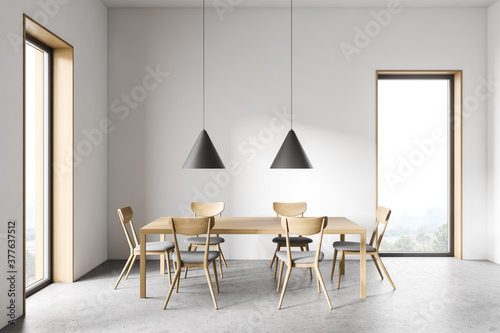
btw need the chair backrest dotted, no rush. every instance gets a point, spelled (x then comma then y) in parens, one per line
(289, 209)
(126, 215)
(304, 226)
(382, 218)
(207, 209)
(191, 226)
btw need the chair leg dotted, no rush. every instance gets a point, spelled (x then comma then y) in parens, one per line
(222, 255)
(215, 275)
(287, 277)
(130, 267)
(123, 270)
(385, 271)
(168, 268)
(310, 269)
(176, 279)
(320, 278)
(207, 273)
(274, 257)
(340, 264)
(333, 264)
(317, 282)
(278, 247)
(376, 265)
(220, 266)
(186, 269)
(281, 274)
(220, 262)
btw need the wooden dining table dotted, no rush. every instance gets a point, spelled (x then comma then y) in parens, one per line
(257, 226)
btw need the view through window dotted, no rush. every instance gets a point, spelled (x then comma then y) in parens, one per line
(37, 169)
(414, 170)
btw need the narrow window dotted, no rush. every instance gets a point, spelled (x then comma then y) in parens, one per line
(38, 147)
(415, 162)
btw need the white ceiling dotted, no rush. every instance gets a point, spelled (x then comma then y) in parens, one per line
(298, 3)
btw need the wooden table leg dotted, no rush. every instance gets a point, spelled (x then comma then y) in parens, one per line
(143, 264)
(362, 266)
(342, 257)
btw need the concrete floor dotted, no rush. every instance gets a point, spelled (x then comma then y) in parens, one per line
(433, 295)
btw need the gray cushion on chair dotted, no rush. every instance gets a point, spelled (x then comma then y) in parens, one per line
(300, 257)
(352, 247)
(203, 240)
(157, 246)
(293, 240)
(195, 257)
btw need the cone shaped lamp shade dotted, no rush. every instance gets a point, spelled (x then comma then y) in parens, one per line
(203, 155)
(291, 154)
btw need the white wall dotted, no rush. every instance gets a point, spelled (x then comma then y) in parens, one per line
(81, 23)
(247, 78)
(493, 135)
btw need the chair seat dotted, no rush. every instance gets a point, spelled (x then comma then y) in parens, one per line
(352, 247)
(156, 246)
(300, 257)
(293, 240)
(203, 240)
(195, 257)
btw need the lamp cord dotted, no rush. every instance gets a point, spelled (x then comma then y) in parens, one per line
(203, 65)
(291, 64)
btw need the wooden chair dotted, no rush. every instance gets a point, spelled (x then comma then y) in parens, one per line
(193, 226)
(154, 248)
(311, 259)
(207, 209)
(343, 248)
(290, 209)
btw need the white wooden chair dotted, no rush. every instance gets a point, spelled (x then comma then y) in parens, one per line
(193, 226)
(343, 248)
(290, 209)
(311, 259)
(207, 209)
(163, 248)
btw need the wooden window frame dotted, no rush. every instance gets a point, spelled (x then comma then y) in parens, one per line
(62, 151)
(456, 128)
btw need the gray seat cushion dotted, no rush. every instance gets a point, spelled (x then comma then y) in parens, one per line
(203, 240)
(300, 257)
(157, 246)
(293, 240)
(352, 247)
(195, 257)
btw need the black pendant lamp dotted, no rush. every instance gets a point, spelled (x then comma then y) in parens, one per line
(291, 154)
(203, 155)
